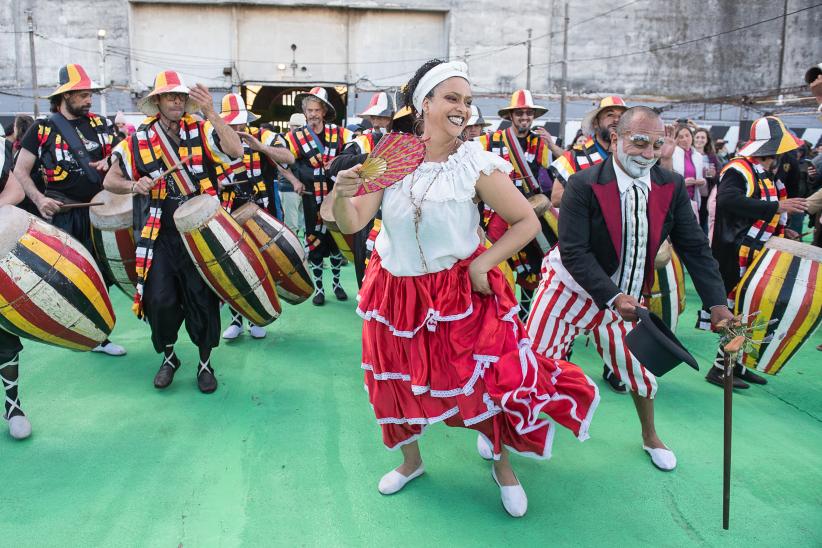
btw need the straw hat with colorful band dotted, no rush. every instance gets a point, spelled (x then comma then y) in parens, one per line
(233, 110)
(521, 99)
(167, 81)
(476, 118)
(612, 101)
(321, 94)
(74, 78)
(769, 137)
(380, 105)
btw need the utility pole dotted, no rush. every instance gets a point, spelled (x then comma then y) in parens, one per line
(30, 20)
(528, 67)
(782, 52)
(101, 37)
(564, 88)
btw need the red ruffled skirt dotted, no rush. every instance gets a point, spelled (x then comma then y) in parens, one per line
(435, 351)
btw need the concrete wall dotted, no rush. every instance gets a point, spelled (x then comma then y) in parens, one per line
(481, 31)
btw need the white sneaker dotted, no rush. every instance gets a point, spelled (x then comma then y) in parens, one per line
(110, 348)
(256, 332)
(19, 427)
(232, 332)
(663, 458)
(483, 448)
(514, 499)
(393, 481)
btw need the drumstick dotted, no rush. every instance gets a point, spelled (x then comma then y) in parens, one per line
(173, 169)
(76, 206)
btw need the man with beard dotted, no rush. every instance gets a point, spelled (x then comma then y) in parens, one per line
(72, 147)
(315, 146)
(251, 178)
(528, 150)
(379, 114)
(597, 126)
(174, 292)
(614, 217)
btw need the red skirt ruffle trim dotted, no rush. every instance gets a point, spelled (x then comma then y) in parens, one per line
(435, 351)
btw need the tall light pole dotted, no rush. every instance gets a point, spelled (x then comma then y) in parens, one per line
(101, 37)
(30, 20)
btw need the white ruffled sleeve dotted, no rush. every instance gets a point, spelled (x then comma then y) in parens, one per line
(458, 176)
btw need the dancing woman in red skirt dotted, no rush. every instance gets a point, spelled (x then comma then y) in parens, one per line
(441, 338)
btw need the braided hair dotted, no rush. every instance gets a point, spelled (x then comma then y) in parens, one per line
(411, 86)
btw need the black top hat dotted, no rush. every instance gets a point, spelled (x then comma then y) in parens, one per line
(655, 346)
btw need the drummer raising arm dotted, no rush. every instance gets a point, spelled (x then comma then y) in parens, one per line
(175, 292)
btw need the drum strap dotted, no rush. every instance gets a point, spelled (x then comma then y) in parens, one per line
(517, 155)
(10, 385)
(168, 154)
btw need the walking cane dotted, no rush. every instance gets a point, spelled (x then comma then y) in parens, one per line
(730, 351)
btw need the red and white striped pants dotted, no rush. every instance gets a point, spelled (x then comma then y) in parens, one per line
(559, 314)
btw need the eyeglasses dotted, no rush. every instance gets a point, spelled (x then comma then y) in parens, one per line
(641, 140)
(176, 96)
(523, 112)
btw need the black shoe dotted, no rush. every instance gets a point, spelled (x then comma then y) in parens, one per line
(318, 300)
(742, 372)
(340, 293)
(615, 384)
(165, 375)
(714, 376)
(206, 380)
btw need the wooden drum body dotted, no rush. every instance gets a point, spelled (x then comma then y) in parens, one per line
(50, 288)
(281, 250)
(113, 237)
(227, 259)
(783, 283)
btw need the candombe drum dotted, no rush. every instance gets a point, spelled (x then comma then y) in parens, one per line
(227, 259)
(666, 297)
(50, 288)
(784, 283)
(112, 235)
(345, 242)
(281, 250)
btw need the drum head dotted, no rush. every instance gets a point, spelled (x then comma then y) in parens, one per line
(804, 251)
(196, 212)
(663, 256)
(539, 203)
(114, 214)
(246, 211)
(15, 223)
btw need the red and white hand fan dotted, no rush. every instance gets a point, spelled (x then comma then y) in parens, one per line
(394, 157)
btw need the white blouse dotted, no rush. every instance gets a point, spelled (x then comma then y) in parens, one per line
(449, 219)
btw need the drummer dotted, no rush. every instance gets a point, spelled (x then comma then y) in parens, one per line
(72, 147)
(751, 207)
(11, 193)
(379, 114)
(174, 292)
(253, 177)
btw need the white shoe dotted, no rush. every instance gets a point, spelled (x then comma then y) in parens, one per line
(232, 332)
(110, 348)
(393, 481)
(19, 427)
(483, 448)
(256, 332)
(514, 499)
(663, 458)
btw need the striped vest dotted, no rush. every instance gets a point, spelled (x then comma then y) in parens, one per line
(576, 159)
(56, 160)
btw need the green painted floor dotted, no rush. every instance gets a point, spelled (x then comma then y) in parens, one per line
(287, 453)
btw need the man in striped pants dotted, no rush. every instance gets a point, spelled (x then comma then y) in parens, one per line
(614, 217)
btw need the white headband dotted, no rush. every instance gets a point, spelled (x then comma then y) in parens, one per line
(437, 75)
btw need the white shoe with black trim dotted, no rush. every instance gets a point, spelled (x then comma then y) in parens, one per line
(232, 332)
(110, 348)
